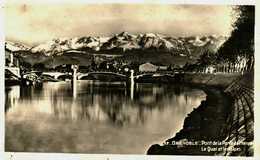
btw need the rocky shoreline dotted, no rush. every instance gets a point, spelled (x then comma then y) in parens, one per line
(219, 123)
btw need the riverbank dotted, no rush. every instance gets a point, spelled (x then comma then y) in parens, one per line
(224, 118)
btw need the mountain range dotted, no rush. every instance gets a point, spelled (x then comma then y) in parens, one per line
(125, 44)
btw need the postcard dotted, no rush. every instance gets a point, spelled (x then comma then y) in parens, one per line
(140, 79)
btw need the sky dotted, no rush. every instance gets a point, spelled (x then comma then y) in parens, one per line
(36, 23)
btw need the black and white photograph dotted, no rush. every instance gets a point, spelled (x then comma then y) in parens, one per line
(129, 78)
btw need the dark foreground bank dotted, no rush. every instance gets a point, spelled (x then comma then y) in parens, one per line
(221, 125)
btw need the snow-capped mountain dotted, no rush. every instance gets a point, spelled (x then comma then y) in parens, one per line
(125, 41)
(13, 46)
(198, 44)
(58, 45)
(184, 46)
(130, 48)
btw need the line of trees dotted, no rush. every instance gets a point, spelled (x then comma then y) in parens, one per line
(237, 53)
(241, 42)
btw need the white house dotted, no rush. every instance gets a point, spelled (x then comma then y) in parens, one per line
(148, 67)
(210, 69)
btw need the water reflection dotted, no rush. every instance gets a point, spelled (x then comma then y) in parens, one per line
(104, 118)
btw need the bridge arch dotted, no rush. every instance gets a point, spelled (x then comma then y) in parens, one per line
(82, 76)
(64, 77)
(97, 75)
(55, 75)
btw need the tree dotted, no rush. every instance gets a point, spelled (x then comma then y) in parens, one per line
(241, 41)
(24, 66)
(39, 66)
(207, 58)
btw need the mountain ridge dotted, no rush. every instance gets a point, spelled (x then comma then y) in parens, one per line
(146, 47)
(126, 41)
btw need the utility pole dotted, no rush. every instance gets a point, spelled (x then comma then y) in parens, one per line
(132, 84)
(74, 79)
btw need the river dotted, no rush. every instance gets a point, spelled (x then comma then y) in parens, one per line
(102, 117)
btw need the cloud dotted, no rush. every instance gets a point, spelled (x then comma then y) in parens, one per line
(34, 23)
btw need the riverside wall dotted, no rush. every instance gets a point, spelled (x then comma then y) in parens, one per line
(222, 125)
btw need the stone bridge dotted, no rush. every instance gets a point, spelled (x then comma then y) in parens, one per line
(81, 76)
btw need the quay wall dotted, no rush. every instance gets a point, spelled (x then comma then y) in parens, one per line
(227, 115)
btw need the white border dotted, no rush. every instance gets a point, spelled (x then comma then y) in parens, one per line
(59, 156)
(226, 2)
